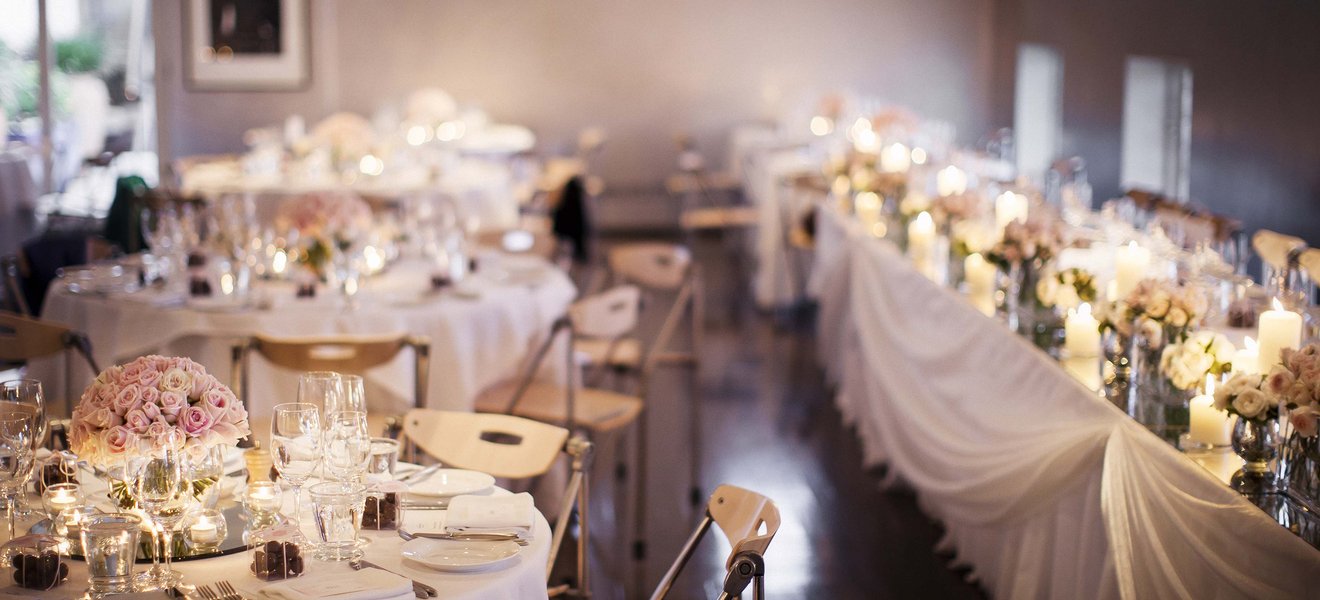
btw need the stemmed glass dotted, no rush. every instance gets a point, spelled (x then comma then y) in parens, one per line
(295, 446)
(323, 390)
(17, 429)
(26, 396)
(165, 494)
(347, 446)
(354, 394)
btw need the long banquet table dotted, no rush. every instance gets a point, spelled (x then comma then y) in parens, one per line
(477, 338)
(1046, 490)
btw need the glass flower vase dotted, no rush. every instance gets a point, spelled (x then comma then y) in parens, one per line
(1154, 400)
(1257, 443)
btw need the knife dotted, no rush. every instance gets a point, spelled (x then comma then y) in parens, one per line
(430, 591)
(422, 474)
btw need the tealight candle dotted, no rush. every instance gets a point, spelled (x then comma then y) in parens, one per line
(1247, 359)
(59, 497)
(1130, 265)
(1277, 329)
(1081, 332)
(950, 181)
(980, 276)
(208, 528)
(1209, 426)
(1009, 207)
(895, 158)
(263, 496)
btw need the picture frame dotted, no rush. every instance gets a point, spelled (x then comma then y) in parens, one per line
(247, 45)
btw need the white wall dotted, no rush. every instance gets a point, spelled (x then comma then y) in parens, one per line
(643, 70)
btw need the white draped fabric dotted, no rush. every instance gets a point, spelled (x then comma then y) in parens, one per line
(475, 341)
(1047, 491)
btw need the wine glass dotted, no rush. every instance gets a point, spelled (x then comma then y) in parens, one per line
(347, 446)
(26, 396)
(16, 458)
(164, 493)
(354, 397)
(295, 446)
(322, 389)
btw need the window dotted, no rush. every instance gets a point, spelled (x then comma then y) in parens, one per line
(1157, 126)
(1037, 109)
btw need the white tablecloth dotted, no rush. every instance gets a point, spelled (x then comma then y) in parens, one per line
(1047, 491)
(17, 189)
(521, 579)
(766, 167)
(475, 342)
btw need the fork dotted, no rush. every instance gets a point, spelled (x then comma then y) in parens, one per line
(421, 590)
(205, 592)
(228, 591)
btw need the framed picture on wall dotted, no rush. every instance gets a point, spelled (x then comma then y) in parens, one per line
(246, 45)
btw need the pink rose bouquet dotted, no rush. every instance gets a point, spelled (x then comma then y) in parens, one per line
(1296, 383)
(137, 402)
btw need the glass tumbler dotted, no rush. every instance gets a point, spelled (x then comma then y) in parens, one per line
(338, 510)
(110, 544)
(384, 456)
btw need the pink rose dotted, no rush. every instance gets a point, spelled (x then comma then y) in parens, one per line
(150, 396)
(133, 371)
(160, 363)
(128, 398)
(157, 429)
(106, 395)
(171, 404)
(103, 418)
(196, 421)
(149, 378)
(117, 439)
(137, 421)
(217, 402)
(1305, 421)
(176, 380)
(1278, 381)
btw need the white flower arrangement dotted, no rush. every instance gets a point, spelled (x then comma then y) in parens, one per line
(1243, 396)
(1187, 363)
(1158, 305)
(1066, 289)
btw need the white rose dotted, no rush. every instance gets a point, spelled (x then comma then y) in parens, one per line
(176, 380)
(1047, 290)
(1067, 297)
(1250, 403)
(1177, 317)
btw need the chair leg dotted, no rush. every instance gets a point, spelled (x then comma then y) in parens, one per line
(694, 392)
(690, 546)
(639, 499)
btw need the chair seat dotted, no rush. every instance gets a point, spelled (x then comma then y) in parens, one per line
(627, 352)
(596, 409)
(719, 217)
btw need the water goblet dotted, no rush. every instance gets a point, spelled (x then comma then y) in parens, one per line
(347, 446)
(338, 511)
(164, 493)
(295, 443)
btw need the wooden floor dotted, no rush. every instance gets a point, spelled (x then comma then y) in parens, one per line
(770, 426)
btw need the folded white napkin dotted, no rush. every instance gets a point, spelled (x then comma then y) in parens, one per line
(367, 584)
(491, 514)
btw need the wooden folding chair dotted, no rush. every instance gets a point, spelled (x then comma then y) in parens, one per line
(605, 324)
(342, 354)
(11, 269)
(749, 521)
(513, 448)
(25, 338)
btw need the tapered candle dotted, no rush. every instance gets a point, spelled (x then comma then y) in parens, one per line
(1277, 329)
(1081, 332)
(1130, 265)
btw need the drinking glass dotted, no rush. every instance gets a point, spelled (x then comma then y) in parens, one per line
(354, 396)
(16, 458)
(26, 396)
(323, 390)
(347, 446)
(164, 493)
(110, 546)
(384, 455)
(295, 445)
(338, 510)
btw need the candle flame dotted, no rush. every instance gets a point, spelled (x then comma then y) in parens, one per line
(279, 262)
(226, 284)
(1132, 245)
(1275, 303)
(1210, 385)
(1250, 344)
(924, 218)
(1084, 309)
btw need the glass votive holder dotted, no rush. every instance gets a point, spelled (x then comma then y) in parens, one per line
(207, 529)
(59, 497)
(110, 544)
(277, 552)
(61, 467)
(263, 500)
(38, 561)
(338, 510)
(69, 523)
(382, 458)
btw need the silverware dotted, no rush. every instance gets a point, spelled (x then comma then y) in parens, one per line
(228, 592)
(421, 590)
(466, 537)
(417, 505)
(420, 475)
(205, 592)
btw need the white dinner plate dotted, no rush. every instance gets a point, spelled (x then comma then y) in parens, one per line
(452, 482)
(217, 303)
(460, 555)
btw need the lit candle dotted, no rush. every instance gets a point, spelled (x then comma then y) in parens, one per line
(1247, 359)
(895, 158)
(821, 126)
(279, 262)
(1081, 332)
(263, 496)
(1210, 426)
(921, 243)
(950, 181)
(1010, 207)
(866, 141)
(204, 531)
(867, 207)
(1277, 329)
(374, 258)
(1130, 265)
(980, 276)
(841, 186)
(58, 497)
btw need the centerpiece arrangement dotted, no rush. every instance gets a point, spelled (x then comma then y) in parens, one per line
(327, 224)
(1022, 254)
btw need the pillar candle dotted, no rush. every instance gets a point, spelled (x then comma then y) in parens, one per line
(980, 275)
(950, 181)
(1010, 207)
(895, 158)
(1081, 332)
(1130, 265)
(921, 244)
(1277, 329)
(867, 207)
(1247, 358)
(1210, 426)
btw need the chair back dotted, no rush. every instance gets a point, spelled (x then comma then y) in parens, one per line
(12, 271)
(25, 338)
(1310, 261)
(343, 354)
(652, 265)
(1275, 248)
(609, 314)
(741, 513)
(501, 445)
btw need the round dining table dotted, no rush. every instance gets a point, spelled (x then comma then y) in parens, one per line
(479, 331)
(522, 577)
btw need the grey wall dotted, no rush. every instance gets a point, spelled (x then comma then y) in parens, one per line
(643, 70)
(1255, 93)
